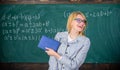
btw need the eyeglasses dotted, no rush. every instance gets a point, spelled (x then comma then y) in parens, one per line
(80, 20)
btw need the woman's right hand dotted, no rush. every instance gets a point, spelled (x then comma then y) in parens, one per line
(51, 52)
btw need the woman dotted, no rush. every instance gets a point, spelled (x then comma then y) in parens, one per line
(74, 45)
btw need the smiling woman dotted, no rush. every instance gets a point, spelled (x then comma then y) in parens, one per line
(74, 45)
(103, 30)
(80, 22)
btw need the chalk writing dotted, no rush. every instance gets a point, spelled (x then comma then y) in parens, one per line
(13, 29)
(21, 37)
(100, 13)
(20, 17)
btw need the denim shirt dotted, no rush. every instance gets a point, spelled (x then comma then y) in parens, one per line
(73, 53)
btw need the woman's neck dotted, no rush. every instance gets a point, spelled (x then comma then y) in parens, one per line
(73, 34)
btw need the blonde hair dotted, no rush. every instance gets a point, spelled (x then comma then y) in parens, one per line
(71, 17)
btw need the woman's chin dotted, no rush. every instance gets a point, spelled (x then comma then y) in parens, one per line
(79, 29)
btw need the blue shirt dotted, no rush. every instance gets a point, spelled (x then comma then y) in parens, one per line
(73, 53)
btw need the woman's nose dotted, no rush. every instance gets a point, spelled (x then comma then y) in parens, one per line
(82, 23)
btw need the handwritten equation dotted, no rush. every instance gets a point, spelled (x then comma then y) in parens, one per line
(100, 13)
(25, 27)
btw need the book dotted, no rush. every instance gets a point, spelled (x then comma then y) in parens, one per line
(49, 43)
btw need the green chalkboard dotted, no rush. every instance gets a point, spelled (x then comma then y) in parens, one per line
(22, 25)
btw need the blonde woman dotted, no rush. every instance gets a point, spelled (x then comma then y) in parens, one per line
(74, 45)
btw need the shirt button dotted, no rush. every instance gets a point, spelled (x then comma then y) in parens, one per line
(63, 67)
(66, 52)
(68, 45)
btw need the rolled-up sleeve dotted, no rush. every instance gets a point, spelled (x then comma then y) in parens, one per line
(79, 59)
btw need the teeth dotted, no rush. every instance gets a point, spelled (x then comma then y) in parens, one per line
(80, 26)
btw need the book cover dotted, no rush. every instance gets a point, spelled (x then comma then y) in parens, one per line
(48, 42)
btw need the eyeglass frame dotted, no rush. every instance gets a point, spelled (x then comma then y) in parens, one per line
(80, 20)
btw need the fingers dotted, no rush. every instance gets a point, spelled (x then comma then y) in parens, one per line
(46, 52)
(50, 51)
(47, 49)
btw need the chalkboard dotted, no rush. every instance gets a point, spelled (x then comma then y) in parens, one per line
(22, 25)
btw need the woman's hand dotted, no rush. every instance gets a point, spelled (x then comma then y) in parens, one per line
(51, 52)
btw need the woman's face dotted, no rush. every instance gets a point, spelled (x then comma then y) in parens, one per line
(78, 23)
